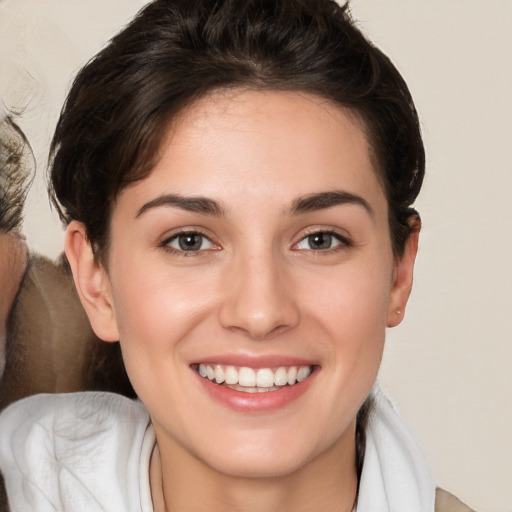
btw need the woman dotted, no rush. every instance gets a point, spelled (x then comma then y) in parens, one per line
(237, 180)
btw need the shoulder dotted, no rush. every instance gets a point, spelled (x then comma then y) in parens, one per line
(74, 450)
(71, 412)
(446, 502)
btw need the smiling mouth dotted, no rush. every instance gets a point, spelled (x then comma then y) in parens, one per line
(254, 380)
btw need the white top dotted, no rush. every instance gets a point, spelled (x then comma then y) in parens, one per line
(79, 452)
(90, 452)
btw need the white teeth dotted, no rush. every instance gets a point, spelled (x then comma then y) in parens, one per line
(303, 373)
(251, 380)
(247, 377)
(281, 377)
(292, 375)
(210, 373)
(219, 374)
(265, 378)
(231, 375)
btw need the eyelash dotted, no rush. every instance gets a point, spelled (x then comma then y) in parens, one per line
(183, 252)
(343, 242)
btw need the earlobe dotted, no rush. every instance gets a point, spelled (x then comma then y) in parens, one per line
(92, 282)
(403, 276)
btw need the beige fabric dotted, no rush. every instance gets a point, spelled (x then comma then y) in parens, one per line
(54, 349)
(446, 502)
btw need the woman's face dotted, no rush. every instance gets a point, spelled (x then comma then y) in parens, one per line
(257, 249)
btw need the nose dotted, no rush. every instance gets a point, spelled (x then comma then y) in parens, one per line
(259, 301)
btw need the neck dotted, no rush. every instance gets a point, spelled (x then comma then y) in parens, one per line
(328, 483)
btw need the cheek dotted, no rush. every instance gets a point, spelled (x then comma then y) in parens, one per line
(351, 309)
(353, 299)
(156, 308)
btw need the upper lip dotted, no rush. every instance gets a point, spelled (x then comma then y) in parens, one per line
(255, 361)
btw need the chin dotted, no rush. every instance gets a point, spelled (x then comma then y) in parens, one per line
(260, 455)
(262, 465)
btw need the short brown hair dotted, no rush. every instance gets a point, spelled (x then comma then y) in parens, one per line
(176, 51)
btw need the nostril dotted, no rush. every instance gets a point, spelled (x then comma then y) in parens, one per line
(258, 331)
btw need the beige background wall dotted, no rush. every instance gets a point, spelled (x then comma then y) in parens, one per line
(449, 366)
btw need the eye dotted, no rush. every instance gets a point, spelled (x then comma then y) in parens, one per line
(189, 242)
(322, 241)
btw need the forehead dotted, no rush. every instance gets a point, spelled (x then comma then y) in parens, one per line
(263, 145)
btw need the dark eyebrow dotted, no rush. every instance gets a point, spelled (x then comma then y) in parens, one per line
(201, 205)
(323, 200)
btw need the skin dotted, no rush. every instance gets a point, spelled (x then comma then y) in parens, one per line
(13, 261)
(256, 288)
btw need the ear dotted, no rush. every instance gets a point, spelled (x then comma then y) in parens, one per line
(92, 282)
(403, 276)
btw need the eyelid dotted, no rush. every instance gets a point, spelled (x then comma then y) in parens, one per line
(165, 243)
(344, 240)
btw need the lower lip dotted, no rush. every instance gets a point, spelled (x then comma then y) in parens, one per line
(256, 402)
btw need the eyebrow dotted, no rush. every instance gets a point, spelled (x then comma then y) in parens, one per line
(201, 205)
(324, 200)
(304, 204)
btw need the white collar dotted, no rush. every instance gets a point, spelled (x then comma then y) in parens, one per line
(395, 476)
(91, 451)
